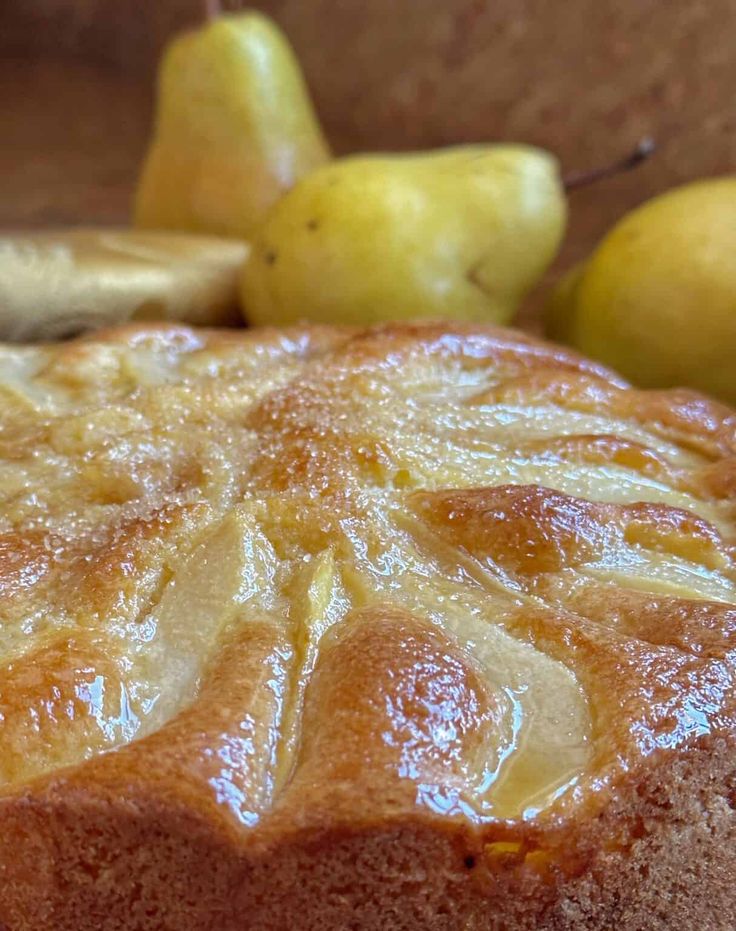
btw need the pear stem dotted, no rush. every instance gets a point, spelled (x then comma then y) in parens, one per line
(641, 153)
(212, 9)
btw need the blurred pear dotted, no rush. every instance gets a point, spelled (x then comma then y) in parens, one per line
(657, 298)
(235, 128)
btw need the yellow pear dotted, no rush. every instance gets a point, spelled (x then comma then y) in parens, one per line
(657, 298)
(235, 128)
(458, 233)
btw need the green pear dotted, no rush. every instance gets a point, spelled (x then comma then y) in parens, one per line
(235, 128)
(459, 233)
(657, 298)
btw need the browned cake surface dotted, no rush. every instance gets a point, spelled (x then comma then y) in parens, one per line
(410, 628)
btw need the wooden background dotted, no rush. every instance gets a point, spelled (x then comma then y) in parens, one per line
(584, 78)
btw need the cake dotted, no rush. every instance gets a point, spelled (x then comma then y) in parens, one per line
(55, 284)
(417, 627)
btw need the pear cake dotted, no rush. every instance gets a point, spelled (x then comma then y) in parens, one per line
(415, 627)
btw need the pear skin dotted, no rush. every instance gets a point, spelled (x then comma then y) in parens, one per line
(657, 298)
(459, 233)
(235, 128)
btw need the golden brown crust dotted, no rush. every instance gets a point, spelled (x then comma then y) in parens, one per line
(416, 627)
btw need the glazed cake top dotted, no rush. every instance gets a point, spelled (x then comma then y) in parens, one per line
(458, 569)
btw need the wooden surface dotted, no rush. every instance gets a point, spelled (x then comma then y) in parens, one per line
(74, 137)
(584, 79)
